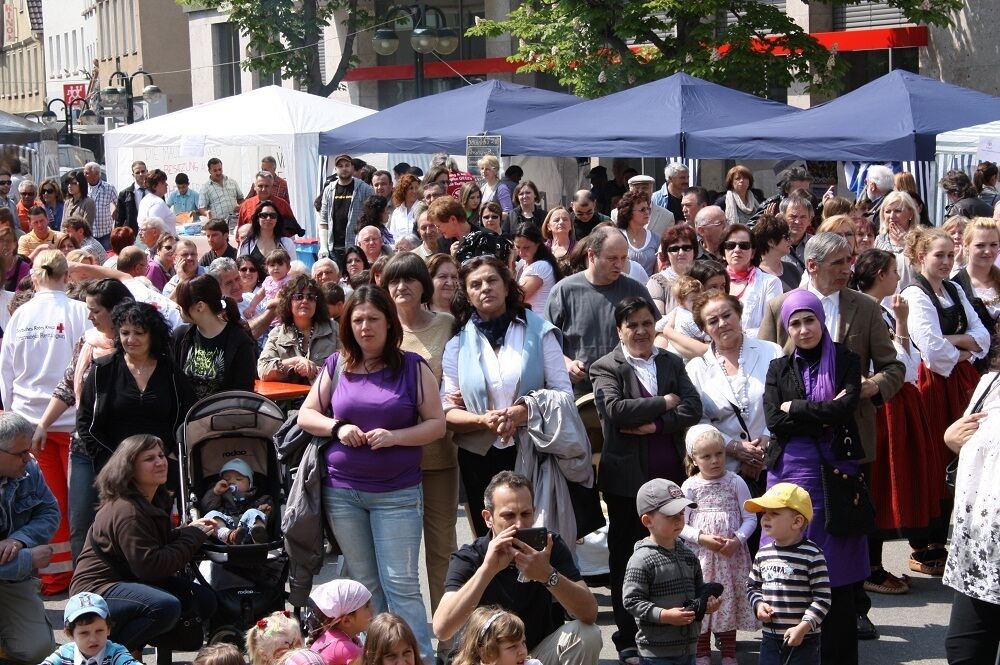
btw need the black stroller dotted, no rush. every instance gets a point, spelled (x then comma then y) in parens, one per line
(248, 580)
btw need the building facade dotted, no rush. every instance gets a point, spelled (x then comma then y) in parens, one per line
(22, 62)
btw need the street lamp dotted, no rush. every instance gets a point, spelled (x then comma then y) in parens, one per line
(423, 39)
(120, 90)
(87, 116)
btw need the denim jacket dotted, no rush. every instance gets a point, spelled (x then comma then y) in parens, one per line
(28, 513)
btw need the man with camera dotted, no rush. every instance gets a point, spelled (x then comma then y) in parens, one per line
(539, 584)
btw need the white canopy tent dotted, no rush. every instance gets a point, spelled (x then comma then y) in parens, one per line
(238, 130)
(958, 149)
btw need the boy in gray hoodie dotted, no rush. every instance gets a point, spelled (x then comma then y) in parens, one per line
(661, 576)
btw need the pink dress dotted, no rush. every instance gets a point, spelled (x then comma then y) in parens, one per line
(720, 512)
(337, 647)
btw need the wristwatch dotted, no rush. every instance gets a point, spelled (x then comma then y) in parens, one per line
(553, 579)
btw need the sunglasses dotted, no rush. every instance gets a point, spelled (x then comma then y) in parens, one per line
(268, 215)
(311, 297)
(491, 216)
(27, 193)
(676, 249)
(48, 191)
(4, 182)
(731, 245)
(248, 269)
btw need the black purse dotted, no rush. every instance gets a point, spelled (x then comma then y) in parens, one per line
(848, 504)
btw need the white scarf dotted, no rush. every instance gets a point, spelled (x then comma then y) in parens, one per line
(738, 212)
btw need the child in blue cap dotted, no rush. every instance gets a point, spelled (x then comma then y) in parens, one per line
(86, 621)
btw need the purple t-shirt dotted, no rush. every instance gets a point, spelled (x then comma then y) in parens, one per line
(369, 401)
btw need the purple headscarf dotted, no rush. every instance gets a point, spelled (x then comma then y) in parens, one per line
(796, 301)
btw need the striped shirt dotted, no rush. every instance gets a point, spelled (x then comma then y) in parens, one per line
(104, 196)
(793, 580)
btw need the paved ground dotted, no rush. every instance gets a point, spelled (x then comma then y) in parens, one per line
(912, 626)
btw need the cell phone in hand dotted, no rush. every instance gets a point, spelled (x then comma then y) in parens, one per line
(535, 538)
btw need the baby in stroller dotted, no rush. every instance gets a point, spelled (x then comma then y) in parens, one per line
(235, 505)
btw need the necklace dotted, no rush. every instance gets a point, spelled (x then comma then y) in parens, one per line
(738, 383)
(301, 342)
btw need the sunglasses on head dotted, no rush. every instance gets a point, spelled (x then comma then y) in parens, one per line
(731, 245)
(675, 249)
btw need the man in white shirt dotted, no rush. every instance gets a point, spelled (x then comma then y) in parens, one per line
(153, 204)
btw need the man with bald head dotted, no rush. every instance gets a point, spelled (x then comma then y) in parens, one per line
(585, 213)
(370, 242)
(710, 223)
(582, 306)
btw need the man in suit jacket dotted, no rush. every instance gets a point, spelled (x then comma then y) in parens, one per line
(127, 206)
(625, 454)
(855, 320)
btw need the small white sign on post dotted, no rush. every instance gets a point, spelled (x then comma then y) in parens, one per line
(477, 147)
(988, 149)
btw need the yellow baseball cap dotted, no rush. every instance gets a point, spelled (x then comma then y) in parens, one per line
(783, 495)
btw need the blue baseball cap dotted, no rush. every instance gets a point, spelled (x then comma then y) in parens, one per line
(84, 603)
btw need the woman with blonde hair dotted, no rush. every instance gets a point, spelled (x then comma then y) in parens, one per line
(980, 278)
(493, 188)
(843, 226)
(557, 229)
(950, 337)
(899, 214)
(37, 348)
(490, 632)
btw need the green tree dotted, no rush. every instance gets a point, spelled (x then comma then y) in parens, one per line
(601, 46)
(284, 36)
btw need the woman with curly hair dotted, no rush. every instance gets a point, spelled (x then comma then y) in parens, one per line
(297, 347)
(135, 390)
(405, 195)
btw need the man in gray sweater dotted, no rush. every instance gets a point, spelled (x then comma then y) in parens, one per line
(582, 306)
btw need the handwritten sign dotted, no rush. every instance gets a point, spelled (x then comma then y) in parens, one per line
(477, 147)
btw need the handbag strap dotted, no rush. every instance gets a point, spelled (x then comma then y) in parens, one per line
(978, 406)
(743, 423)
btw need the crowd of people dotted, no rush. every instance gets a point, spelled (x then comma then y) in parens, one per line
(780, 385)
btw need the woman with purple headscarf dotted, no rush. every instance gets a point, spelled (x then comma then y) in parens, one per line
(811, 394)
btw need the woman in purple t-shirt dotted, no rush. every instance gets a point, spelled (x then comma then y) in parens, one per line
(385, 407)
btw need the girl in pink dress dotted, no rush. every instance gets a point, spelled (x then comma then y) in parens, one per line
(719, 528)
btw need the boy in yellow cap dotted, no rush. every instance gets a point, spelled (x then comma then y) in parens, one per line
(789, 587)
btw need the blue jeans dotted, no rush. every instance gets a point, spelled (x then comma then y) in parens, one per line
(379, 534)
(774, 651)
(141, 612)
(82, 500)
(668, 660)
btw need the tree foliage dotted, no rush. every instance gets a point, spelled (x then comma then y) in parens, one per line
(601, 46)
(284, 35)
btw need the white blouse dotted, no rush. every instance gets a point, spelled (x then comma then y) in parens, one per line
(401, 222)
(938, 354)
(502, 369)
(543, 271)
(761, 291)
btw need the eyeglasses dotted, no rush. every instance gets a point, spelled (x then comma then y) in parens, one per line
(248, 269)
(311, 297)
(731, 245)
(491, 216)
(268, 215)
(676, 249)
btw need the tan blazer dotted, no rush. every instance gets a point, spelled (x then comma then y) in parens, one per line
(863, 331)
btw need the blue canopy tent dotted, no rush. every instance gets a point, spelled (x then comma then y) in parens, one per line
(650, 120)
(441, 122)
(895, 117)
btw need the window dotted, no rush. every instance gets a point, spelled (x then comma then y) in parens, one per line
(226, 48)
(116, 27)
(134, 28)
(75, 64)
(866, 66)
(58, 61)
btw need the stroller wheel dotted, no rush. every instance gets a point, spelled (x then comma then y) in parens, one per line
(226, 635)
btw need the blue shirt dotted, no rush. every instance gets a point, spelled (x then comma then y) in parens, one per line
(183, 202)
